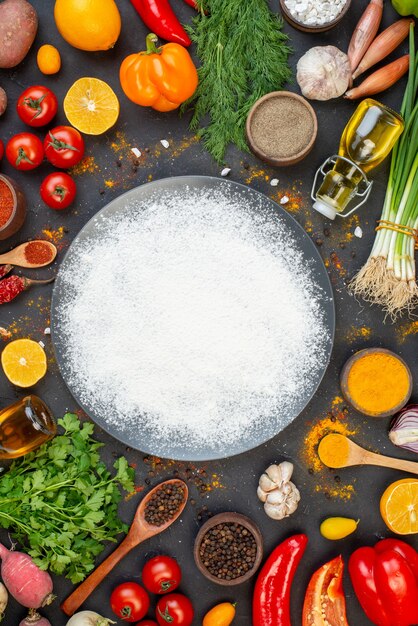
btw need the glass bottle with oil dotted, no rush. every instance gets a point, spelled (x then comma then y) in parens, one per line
(368, 138)
(24, 426)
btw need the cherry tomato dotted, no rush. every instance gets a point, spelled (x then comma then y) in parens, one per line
(174, 609)
(24, 151)
(1, 149)
(37, 106)
(129, 601)
(161, 574)
(64, 146)
(58, 190)
(147, 622)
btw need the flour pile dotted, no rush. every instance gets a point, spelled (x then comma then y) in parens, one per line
(192, 317)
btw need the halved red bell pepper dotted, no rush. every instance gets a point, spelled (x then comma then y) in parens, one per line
(385, 581)
(324, 599)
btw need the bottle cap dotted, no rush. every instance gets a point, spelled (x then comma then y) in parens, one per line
(325, 209)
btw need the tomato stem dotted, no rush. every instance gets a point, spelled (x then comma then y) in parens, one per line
(166, 615)
(35, 103)
(22, 156)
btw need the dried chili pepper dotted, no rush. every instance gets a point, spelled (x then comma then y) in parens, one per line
(5, 269)
(161, 19)
(14, 285)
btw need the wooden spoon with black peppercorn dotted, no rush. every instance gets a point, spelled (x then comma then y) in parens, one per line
(156, 512)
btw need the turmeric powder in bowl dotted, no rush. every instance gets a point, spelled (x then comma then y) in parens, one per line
(376, 382)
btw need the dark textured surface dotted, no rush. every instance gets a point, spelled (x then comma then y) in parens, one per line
(342, 254)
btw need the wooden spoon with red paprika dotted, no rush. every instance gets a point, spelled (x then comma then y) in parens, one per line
(31, 254)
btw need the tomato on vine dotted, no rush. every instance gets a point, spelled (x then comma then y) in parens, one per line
(24, 151)
(129, 601)
(64, 146)
(37, 106)
(58, 190)
(161, 574)
(174, 609)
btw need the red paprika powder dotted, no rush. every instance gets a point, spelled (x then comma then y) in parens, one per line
(6, 203)
(38, 252)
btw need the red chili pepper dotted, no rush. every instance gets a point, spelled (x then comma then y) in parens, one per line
(161, 20)
(5, 269)
(14, 285)
(271, 600)
(385, 582)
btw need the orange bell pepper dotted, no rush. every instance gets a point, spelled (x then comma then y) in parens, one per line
(161, 78)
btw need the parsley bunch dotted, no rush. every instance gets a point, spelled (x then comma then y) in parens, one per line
(62, 502)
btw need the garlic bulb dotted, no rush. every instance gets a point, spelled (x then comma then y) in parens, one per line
(323, 73)
(280, 496)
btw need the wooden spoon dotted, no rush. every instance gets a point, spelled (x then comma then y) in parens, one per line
(139, 531)
(359, 456)
(17, 255)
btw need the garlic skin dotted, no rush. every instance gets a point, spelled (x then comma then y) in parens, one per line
(275, 489)
(323, 72)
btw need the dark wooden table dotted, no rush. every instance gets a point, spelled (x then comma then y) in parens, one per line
(229, 484)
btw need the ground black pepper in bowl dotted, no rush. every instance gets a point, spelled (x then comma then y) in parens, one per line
(228, 548)
(281, 128)
(164, 504)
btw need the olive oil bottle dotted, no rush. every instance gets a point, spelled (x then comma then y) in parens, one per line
(368, 138)
(24, 426)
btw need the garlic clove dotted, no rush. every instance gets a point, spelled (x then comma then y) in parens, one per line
(277, 512)
(287, 471)
(276, 497)
(262, 495)
(266, 483)
(274, 472)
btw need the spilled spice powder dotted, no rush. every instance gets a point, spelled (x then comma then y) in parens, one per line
(87, 165)
(54, 235)
(406, 330)
(355, 332)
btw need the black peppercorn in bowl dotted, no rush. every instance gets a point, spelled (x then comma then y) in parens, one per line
(228, 549)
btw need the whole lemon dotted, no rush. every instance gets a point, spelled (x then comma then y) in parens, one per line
(88, 24)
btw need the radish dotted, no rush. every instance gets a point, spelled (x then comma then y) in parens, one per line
(88, 618)
(4, 596)
(28, 584)
(34, 619)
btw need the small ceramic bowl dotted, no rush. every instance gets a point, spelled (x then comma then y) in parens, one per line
(225, 518)
(344, 382)
(320, 28)
(290, 159)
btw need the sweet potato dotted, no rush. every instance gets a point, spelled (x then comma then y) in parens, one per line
(3, 101)
(18, 26)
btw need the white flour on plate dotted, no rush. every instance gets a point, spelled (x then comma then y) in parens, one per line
(193, 317)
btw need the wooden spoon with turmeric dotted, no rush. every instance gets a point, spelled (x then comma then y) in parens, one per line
(337, 451)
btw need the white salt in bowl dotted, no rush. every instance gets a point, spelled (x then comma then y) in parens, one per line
(320, 28)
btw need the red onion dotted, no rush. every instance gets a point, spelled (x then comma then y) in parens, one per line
(404, 428)
(34, 619)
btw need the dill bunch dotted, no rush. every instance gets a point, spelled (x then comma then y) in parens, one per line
(244, 55)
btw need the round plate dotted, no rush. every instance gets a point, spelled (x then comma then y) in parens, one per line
(145, 439)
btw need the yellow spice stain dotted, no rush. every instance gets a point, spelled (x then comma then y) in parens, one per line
(54, 235)
(110, 183)
(255, 173)
(337, 401)
(344, 492)
(185, 144)
(355, 332)
(87, 165)
(407, 329)
(121, 143)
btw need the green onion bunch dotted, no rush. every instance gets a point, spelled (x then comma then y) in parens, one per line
(388, 277)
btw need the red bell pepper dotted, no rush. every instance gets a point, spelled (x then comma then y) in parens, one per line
(192, 3)
(324, 599)
(161, 20)
(386, 583)
(271, 601)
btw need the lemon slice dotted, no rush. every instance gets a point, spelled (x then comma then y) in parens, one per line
(399, 506)
(91, 106)
(24, 362)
